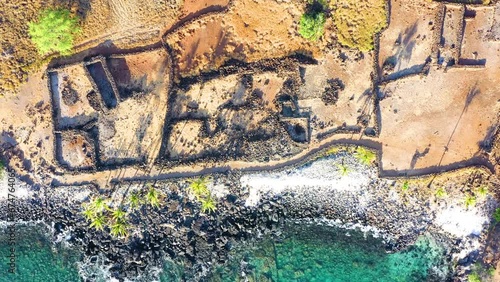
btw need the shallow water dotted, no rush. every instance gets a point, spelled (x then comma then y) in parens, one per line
(328, 254)
(305, 253)
(37, 259)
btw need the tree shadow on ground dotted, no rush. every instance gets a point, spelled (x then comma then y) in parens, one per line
(81, 7)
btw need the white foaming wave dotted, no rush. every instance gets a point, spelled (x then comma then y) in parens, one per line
(4, 223)
(321, 174)
(462, 222)
(365, 229)
(98, 271)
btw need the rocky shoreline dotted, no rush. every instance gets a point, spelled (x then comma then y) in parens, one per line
(253, 205)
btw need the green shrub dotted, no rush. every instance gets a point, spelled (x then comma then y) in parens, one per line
(54, 31)
(88, 212)
(2, 168)
(311, 25)
(118, 214)
(496, 215)
(119, 228)
(199, 188)
(98, 205)
(98, 222)
(365, 156)
(474, 277)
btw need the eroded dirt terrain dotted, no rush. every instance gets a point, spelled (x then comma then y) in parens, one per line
(233, 85)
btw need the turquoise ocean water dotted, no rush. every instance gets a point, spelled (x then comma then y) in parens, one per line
(306, 253)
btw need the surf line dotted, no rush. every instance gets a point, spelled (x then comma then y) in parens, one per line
(11, 221)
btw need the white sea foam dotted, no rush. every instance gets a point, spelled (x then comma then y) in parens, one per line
(322, 174)
(366, 229)
(21, 189)
(461, 222)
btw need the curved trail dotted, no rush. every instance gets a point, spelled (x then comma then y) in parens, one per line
(105, 178)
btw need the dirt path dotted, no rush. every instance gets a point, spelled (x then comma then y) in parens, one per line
(105, 178)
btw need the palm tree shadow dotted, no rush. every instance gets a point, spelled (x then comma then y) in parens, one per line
(474, 91)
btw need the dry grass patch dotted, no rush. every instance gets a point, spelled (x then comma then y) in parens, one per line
(357, 21)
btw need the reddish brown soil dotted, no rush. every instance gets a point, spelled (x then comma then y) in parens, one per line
(194, 7)
(241, 34)
(416, 114)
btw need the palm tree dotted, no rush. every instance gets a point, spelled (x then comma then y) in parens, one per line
(406, 186)
(199, 187)
(119, 228)
(483, 191)
(98, 222)
(441, 193)
(153, 197)
(364, 156)
(118, 214)
(208, 205)
(469, 201)
(99, 204)
(88, 212)
(134, 200)
(344, 169)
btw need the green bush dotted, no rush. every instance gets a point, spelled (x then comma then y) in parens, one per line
(496, 215)
(54, 31)
(311, 25)
(474, 277)
(199, 188)
(343, 169)
(134, 200)
(208, 205)
(2, 168)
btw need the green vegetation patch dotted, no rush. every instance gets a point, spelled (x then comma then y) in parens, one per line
(199, 189)
(441, 193)
(99, 213)
(496, 215)
(311, 25)
(357, 21)
(470, 201)
(54, 31)
(312, 22)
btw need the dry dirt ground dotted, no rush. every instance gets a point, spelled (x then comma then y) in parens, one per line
(408, 40)
(445, 117)
(125, 23)
(239, 33)
(425, 123)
